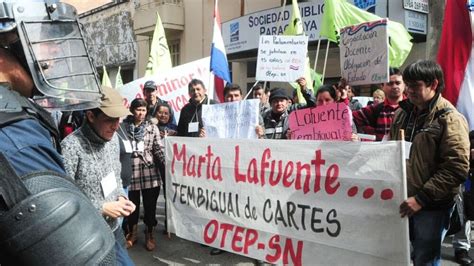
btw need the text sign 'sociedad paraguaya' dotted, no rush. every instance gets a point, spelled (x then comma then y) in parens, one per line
(281, 58)
(234, 120)
(364, 53)
(327, 122)
(290, 202)
(172, 85)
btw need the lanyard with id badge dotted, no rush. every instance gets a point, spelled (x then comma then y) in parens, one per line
(193, 126)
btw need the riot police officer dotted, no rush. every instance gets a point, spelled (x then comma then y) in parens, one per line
(44, 218)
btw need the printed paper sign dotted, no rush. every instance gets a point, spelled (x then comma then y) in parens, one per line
(172, 84)
(364, 53)
(281, 58)
(234, 120)
(290, 202)
(328, 122)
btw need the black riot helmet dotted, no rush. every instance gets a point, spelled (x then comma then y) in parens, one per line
(47, 38)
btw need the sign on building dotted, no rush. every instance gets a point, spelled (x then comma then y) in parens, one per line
(242, 34)
(416, 22)
(417, 5)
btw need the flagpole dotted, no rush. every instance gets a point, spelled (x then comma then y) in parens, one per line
(317, 54)
(325, 61)
(281, 14)
(251, 89)
(211, 78)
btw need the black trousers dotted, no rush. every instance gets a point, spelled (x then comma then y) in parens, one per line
(150, 196)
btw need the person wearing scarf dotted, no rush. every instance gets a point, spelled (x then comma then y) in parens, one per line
(147, 158)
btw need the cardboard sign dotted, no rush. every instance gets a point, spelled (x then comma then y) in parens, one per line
(172, 84)
(281, 58)
(364, 53)
(328, 122)
(290, 202)
(234, 120)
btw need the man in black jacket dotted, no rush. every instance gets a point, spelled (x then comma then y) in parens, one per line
(190, 119)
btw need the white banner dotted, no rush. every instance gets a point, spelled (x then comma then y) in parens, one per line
(290, 202)
(233, 120)
(172, 84)
(281, 58)
(364, 53)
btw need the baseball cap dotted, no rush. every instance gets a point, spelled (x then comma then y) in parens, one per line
(112, 103)
(149, 85)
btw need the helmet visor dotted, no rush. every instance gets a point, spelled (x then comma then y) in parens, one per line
(57, 57)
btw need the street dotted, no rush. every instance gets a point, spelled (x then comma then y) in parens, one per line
(177, 251)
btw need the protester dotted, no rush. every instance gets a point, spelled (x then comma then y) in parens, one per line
(165, 120)
(92, 159)
(325, 95)
(29, 143)
(346, 95)
(167, 128)
(378, 96)
(147, 158)
(275, 120)
(376, 119)
(152, 99)
(190, 119)
(438, 158)
(259, 92)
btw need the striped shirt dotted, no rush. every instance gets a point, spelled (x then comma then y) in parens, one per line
(375, 119)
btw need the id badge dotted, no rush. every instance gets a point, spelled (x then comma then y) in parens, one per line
(279, 130)
(407, 149)
(127, 145)
(193, 127)
(141, 146)
(108, 184)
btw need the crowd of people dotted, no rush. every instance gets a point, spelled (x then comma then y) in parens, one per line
(116, 157)
(410, 101)
(71, 185)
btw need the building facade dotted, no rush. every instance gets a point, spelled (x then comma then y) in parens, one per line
(120, 32)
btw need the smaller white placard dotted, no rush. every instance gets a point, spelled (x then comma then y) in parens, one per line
(281, 58)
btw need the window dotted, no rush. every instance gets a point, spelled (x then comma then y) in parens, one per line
(251, 69)
(174, 47)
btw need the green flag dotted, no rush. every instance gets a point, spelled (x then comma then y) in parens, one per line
(317, 80)
(118, 79)
(339, 14)
(160, 58)
(295, 27)
(105, 78)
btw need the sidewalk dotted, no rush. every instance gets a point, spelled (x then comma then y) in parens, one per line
(177, 251)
